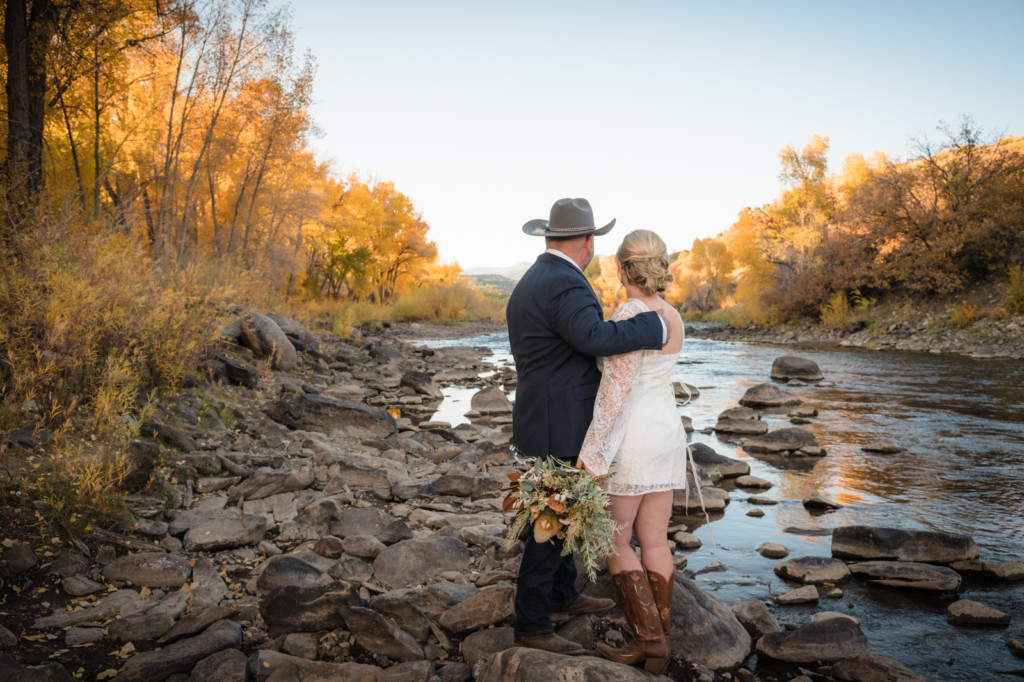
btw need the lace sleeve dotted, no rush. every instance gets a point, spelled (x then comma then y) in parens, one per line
(606, 430)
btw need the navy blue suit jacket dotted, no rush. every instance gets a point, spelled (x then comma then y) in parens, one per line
(555, 329)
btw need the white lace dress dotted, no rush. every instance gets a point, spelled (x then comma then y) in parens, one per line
(637, 430)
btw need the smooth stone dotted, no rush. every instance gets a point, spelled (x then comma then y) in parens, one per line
(816, 501)
(79, 586)
(826, 641)
(83, 635)
(489, 607)
(363, 546)
(380, 634)
(301, 644)
(706, 629)
(768, 395)
(813, 569)
(755, 617)
(968, 612)
(883, 447)
(762, 500)
(772, 550)
(274, 666)
(686, 540)
(139, 626)
(1016, 647)
(227, 665)
(753, 482)
(20, 558)
(483, 643)
(520, 664)
(872, 668)
(788, 367)
(226, 533)
(910, 574)
(802, 595)
(182, 656)
(788, 440)
(149, 569)
(409, 561)
(756, 513)
(872, 542)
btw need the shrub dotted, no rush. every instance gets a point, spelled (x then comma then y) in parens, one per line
(840, 309)
(1013, 296)
(964, 314)
(446, 303)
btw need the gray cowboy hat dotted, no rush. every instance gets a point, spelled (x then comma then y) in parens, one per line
(569, 218)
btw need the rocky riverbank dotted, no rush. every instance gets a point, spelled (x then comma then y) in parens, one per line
(302, 521)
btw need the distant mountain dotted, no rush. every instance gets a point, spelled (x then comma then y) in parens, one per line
(499, 282)
(512, 272)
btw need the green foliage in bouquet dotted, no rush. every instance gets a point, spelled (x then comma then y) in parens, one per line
(562, 501)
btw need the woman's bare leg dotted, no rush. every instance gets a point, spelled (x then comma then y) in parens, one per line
(651, 526)
(623, 510)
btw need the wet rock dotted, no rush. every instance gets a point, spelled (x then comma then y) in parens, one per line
(883, 447)
(688, 501)
(307, 609)
(910, 574)
(710, 460)
(139, 626)
(871, 668)
(755, 617)
(408, 562)
(1016, 647)
(772, 550)
(792, 367)
(422, 383)
(756, 513)
(813, 569)
(762, 500)
(266, 483)
(20, 558)
(768, 395)
(491, 400)
(310, 412)
(816, 501)
(149, 569)
(227, 665)
(520, 664)
(273, 666)
(380, 634)
(742, 421)
(182, 656)
(753, 482)
(488, 607)
(871, 542)
(686, 540)
(808, 594)
(706, 629)
(826, 641)
(226, 532)
(968, 612)
(789, 441)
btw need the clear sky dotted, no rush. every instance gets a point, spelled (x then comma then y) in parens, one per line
(666, 115)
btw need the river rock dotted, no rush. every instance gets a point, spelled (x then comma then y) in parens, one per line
(68, 564)
(274, 666)
(484, 609)
(1016, 647)
(483, 643)
(405, 613)
(181, 656)
(710, 460)
(435, 598)
(234, 371)
(149, 569)
(266, 339)
(808, 594)
(792, 441)
(464, 485)
(706, 629)
(310, 412)
(688, 501)
(871, 668)
(967, 612)
(14, 671)
(370, 521)
(227, 665)
(755, 617)
(364, 546)
(520, 664)
(686, 540)
(422, 383)
(871, 542)
(226, 532)
(195, 622)
(120, 603)
(307, 609)
(380, 634)
(20, 558)
(79, 586)
(743, 421)
(491, 400)
(768, 395)
(749, 481)
(408, 562)
(140, 626)
(826, 641)
(792, 367)
(911, 574)
(816, 501)
(772, 550)
(286, 570)
(813, 569)
(266, 483)
(1006, 571)
(883, 447)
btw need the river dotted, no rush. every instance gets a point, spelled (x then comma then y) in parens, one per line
(961, 422)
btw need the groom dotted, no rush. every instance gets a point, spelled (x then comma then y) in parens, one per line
(555, 329)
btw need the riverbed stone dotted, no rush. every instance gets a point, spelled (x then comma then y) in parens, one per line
(788, 367)
(706, 629)
(363, 546)
(912, 574)
(882, 447)
(755, 617)
(20, 558)
(742, 426)
(422, 383)
(408, 562)
(380, 634)
(768, 395)
(484, 609)
(1016, 647)
(808, 594)
(688, 501)
(871, 668)
(772, 550)
(266, 339)
(139, 626)
(749, 481)
(817, 501)
(310, 412)
(969, 612)
(710, 460)
(149, 569)
(307, 609)
(287, 570)
(226, 532)
(813, 569)
(788, 441)
(268, 482)
(274, 666)
(227, 665)
(181, 656)
(464, 484)
(79, 586)
(491, 400)
(825, 641)
(873, 542)
(521, 664)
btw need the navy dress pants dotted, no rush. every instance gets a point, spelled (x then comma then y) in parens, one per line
(547, 581)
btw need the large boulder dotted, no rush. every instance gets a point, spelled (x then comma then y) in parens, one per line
(267, 340)
(410, 561)
(311, 412)
(789, 367)
(307, 609)
(301, 338)
(704, 630)
(422, 383)
(825, 641)
(768, 395)
(491, 400)
(871, 542)
(181, 656)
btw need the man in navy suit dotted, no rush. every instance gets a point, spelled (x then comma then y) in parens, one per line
(556, 329)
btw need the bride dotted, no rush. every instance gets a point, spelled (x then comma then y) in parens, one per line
(637, 431)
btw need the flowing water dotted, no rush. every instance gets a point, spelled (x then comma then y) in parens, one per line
(961, 422)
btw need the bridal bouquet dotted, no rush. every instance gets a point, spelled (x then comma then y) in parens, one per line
(561, 501)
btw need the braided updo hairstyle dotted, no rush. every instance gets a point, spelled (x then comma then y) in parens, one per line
(644, 259)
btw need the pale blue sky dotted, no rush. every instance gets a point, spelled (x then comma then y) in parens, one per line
(665, 115)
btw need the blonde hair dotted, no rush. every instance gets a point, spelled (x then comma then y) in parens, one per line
(644, 259)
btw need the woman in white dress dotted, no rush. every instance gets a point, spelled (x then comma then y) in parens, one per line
(638, 434)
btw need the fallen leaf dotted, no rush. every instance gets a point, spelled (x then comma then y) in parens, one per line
(106, 674)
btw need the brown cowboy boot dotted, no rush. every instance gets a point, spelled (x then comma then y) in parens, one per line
(648, 643)
(662, 589)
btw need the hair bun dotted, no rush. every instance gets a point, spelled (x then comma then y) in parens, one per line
(644, 258)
